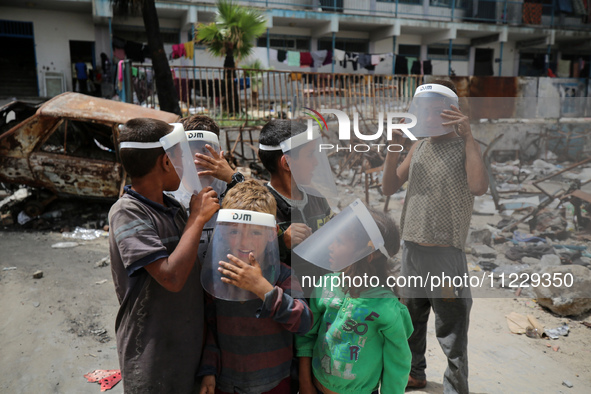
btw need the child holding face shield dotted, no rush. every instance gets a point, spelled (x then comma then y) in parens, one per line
(254, 305)
(444, 173)
(358, 342)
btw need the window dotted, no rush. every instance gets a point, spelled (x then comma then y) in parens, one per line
(409, 50)
(440, 52)
(285, 42)
(415, 2)
(81, 139)
(345, 44)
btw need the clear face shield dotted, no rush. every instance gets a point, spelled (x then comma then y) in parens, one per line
(240, 233)
(197, 140)
(429, 102)
(347, 238)
(309, 166)
(177, 148)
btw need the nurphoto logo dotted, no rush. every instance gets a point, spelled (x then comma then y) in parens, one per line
(345, 130)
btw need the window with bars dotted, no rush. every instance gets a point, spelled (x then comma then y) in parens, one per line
(348, 45)
(285, 42)
(16, 29)
(441, 51)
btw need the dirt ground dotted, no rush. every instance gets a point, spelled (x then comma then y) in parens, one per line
(60, 327)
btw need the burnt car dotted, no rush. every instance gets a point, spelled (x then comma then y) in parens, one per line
(68, 145)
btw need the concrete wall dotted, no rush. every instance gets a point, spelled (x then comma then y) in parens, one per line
(52, 40)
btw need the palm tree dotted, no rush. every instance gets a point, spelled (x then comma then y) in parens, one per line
(167, 96)
(232, 35)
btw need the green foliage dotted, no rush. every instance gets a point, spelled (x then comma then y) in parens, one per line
(234, 31)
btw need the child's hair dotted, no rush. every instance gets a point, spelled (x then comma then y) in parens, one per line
(250, 195)
(273, 133)
(200, 122)
(139, 162)
(379, 266)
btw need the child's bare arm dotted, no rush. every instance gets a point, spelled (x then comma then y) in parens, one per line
(305, 376)
(172, 272)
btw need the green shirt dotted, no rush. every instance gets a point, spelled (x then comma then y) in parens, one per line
(356, 343)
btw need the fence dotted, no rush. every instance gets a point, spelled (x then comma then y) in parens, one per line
(243, 97)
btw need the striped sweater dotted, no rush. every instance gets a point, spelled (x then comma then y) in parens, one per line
(249, 345)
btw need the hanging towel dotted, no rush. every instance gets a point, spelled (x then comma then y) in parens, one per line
(427, 67)
(376, 59)
(318, 57)
(273, 54)
(189, 49)
(401, 66)
(305, 59)
(178, 50)
(119, 53)
(339, 55)
(364, 60)
(328, 59)
(416, 68)
(563, 69)
(281, 56)
(293, 58)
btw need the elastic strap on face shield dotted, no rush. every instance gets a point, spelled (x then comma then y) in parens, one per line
(269, 147)
(298, 140)
(369, 225)
(139, 145)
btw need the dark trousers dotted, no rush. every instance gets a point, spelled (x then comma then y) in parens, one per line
(451, 305)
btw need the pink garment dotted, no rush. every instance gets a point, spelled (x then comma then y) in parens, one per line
(178, 50)
(119, 53)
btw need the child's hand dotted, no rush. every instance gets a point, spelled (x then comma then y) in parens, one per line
(208, 385)
(456, 117)
(245, 276)
(295, 234)
(217, 166)
(204, 204)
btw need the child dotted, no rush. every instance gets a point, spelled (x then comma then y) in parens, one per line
(249, 346)
(216, 164)
(359, 338)
(153, 248)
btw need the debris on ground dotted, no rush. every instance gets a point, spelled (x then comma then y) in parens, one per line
(38, 274)
(64, 245)
(107, 378)
(555, 333)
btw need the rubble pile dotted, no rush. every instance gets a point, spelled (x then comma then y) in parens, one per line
(541, 241)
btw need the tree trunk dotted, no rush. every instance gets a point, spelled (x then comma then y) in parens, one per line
(167, 96)
(230, 76)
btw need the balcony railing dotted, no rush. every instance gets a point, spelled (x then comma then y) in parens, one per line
(250, 97)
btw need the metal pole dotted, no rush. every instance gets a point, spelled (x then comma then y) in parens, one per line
(501, 61)
(394, 53)
(127, 81)
(111, 40)
(453, 9)
(449, 57)
(333, 45)
(268, 51)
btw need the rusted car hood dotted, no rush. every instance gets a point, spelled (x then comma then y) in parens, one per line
(80, 106)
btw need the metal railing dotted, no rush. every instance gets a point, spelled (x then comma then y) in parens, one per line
(245, 97)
